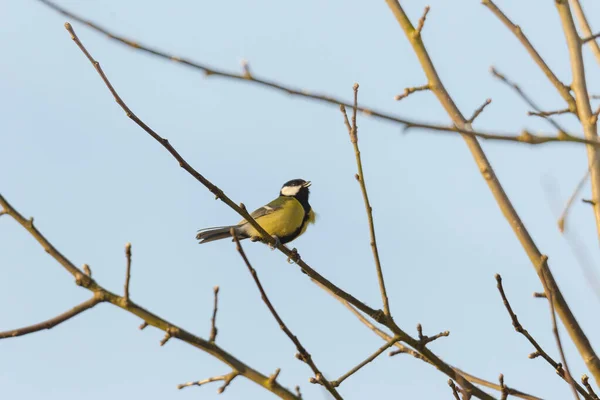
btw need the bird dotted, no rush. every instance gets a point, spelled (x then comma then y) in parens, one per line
(284, 218)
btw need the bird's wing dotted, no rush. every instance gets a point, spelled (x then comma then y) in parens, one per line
(270, 208)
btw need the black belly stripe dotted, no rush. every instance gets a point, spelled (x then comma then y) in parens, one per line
(296, 233)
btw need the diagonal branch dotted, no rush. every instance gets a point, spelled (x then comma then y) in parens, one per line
(586, 29)
(524, 137)
(403, 349)
(302, 355)
(508, 210)
(150, 318)
(51, 323)
(375, 314)
(539, 351)
(360, 177)
(562, 89)
(373, 356)
(226, 379)
(589, 122)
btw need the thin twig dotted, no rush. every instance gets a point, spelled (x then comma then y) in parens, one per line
(526, 98)
(414, 353)
(561, 351)
(375, 314)
(524, 137)
(574, 195)
(504, 203)
(540, 352)
(421, 22)
(586, 29)
(303, 354)
(213, 320)
(562, 89)
(150, 319)
(424, 339)
(128, 273)
(410, 90)
(226, 379)
(586, 382)
(51, 323)
(504, 392)
(373, 356)
(360, 177)
(455, 390)
(544, 114)
(479, 110)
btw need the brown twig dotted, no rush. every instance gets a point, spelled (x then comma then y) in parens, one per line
(504, 391)
(586, 382)
(479, 110)
(586, 29)
(213, 320)
(373, 356)
(562, 89)
(414, 353)
(421, 22)
(455, 390)
(524, 137)
(226, 379)
(424, 339)
(540, 352)
(128, 273)
(589, 124)
(87, 270)
(544, 114)
(375, 314)
(574, 195)
(526, 98)
(561, 351)
(360, 177)
(152, 319)
(410, 90)
(59, 319)
(303, 355)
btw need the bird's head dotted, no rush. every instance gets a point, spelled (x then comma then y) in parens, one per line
(295, 188)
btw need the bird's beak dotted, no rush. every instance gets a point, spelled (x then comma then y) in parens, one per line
(306, 184)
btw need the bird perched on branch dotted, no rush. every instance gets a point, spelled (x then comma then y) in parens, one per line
(285, 218)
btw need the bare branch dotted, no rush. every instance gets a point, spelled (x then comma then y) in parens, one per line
(128, 274)
(414, 353)
(544, 114)
(360, 177)
(455, 390)
(562, 89)
(303, 355)
(578, 189)
(51, 323)
(87, 270)
(150, 319)
(586, 29)
(539, 350)
(526, 98)
(410, 90)
(586, 382)
(213, 320)
(424, 340)
(274, 376)
(143, 326)
(504, 388)
(421, 22)
(373, 356)
(478, 111)
(226, 379)
(524, 137)
(550, 296)
(375, 314)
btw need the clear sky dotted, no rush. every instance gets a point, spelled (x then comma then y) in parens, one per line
(94, 181)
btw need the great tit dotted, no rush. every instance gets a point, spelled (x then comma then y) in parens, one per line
(285, 218)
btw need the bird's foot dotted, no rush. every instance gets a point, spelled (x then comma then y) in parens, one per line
(294, 257)
(277, 242)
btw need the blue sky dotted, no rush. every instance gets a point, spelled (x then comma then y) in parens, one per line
(94, 181)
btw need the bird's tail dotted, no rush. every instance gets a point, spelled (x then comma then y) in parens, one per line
(217, 233)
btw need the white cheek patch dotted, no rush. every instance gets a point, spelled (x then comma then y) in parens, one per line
(290, 190)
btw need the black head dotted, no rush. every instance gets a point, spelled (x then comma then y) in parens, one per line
(297, 188)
